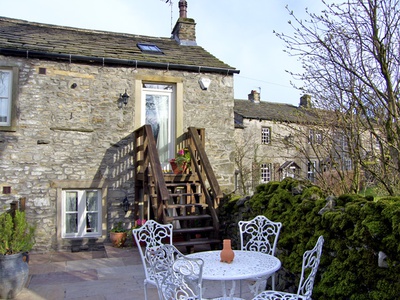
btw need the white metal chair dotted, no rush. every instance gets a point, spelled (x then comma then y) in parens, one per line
(177, 276)
(153, 235)
(259, 234)
(311, 259)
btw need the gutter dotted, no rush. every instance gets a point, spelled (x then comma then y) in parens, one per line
(114, 61)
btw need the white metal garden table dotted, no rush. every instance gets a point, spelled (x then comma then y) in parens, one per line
(245, 265)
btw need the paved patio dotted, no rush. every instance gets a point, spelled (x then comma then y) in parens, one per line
(115, 273)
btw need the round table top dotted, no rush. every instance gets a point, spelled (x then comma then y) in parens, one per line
(245, 265)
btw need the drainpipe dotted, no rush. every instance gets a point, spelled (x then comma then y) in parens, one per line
(236, 180)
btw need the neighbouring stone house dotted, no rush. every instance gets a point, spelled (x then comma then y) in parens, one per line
(265, 138)
(278, 140)
(70, 100)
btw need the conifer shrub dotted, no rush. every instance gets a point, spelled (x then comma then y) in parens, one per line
(16, 235)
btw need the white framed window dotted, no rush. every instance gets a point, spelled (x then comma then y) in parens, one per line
(6, 83)
(348, 164)
(289, 172)
(265, 135)
(265, 171)
(311, 169)
(81, 213)
(315, 137)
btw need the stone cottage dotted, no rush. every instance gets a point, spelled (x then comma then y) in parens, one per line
(268, 136)
(277, 140)
(70, 100)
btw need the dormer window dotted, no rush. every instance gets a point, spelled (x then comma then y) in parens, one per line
(149, 49)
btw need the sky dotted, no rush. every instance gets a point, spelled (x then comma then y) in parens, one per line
(240, 33)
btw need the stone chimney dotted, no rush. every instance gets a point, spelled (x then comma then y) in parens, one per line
(254, 96)
(305, 101)
(184, 31)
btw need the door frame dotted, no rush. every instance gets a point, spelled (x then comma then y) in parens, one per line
(178, 82)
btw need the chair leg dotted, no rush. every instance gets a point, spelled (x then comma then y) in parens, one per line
(145, 289)
(273, 282)
(240, 288)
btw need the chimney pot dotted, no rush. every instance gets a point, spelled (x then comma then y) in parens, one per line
(254, 96)
(182, 9)
(305, 101)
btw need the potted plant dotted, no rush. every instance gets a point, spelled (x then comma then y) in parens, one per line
(16, 239)
(182, 161)
(118, 235)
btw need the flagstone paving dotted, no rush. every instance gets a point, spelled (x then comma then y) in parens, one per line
(112, 273)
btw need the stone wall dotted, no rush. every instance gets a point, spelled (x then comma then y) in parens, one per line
(71, 133)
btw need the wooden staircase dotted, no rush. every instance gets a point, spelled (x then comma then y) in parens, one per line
(187, 200)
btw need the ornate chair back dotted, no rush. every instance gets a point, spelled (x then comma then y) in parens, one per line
(177, 276)
(311, 259)
(259, 234)
(152, 235)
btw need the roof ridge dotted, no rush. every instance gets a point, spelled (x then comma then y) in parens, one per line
(77, 29)
(267, 102)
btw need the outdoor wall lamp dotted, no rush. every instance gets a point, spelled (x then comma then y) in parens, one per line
(123, 99)
(204, 83)
(125, 204)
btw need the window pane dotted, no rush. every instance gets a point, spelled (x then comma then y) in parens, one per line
(5, 78)
(91, 201)
(3, 110)
(91, 222)
(265, 173)
(71, 201)
(149, 48)
(265, 135)
(158, 86)
(71, 224)
(157, 115)
(5, 97)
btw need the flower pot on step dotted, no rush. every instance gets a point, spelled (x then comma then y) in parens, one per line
(176, 169)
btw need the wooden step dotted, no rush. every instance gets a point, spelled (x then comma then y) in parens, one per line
(194, 242)
(193, 230)
(184, 194)
(180, 194)
(187, 218)
(182, 184)
(200, 205)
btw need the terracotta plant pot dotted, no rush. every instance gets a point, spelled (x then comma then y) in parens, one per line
(227, 253)
(175, 167)
(118, 239)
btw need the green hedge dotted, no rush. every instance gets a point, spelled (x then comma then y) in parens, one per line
(355, 232)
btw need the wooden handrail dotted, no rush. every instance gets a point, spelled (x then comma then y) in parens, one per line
(196, 148)
(147, 163)
(149, 156)
(204, 170)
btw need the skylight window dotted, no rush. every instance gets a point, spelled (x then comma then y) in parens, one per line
(149, 49)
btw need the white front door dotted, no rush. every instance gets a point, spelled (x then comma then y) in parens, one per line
(158, 110)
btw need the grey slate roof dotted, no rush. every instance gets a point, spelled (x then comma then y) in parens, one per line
(35, 39)
(273, 112)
